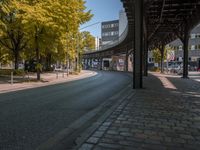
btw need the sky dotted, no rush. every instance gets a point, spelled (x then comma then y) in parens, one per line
(103, 10)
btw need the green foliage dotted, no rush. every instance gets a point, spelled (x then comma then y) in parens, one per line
(88, 40)
(18, 72)
(39, 67)
(155, 69)
(157, 55)
(36, 29)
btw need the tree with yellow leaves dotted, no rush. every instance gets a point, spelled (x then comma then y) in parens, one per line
(45, 24)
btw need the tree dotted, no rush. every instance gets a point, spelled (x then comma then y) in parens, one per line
(88, 41)
(12, 33)
(38, 28)
(49, 21)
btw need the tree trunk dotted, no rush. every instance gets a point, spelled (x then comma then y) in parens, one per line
(37, 56)
(162, 61)
(16, 60)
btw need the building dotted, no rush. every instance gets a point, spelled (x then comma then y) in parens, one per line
(177, 48)
(97, 43)
(109, 31)
(193, 48)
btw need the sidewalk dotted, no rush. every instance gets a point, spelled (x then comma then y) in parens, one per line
(165, 115)
(47, 79)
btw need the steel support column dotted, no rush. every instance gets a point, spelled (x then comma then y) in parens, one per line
(185, 51)
(145, 56)
(137, 73)
(91, 63)
(101, 63)
(126, 61)
(162, 58)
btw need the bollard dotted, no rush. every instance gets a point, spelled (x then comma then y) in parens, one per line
(28, 78)
(67, 71)
(63, 74)
(11, 80)
(57, 75)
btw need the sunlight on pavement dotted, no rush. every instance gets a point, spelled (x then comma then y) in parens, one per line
(166, 83)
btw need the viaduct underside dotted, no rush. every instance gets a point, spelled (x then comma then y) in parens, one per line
(152, 24)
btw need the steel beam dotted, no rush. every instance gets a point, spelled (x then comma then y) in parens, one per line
(145, 56)
(185, 51)
(137, 73)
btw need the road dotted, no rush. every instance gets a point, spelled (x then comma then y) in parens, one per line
(30, 117)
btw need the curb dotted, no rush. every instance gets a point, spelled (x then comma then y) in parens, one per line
(36, 85)
(88, 132)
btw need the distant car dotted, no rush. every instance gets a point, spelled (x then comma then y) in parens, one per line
(198, 69)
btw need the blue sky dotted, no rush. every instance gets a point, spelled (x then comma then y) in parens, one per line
(103, 10)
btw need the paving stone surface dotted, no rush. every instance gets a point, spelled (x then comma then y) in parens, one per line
(154, 118)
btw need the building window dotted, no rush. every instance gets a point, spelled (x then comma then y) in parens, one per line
(198, 35)
(189, 47)
(193, 36)
(180, 48)
(192, 47)
(149, 59)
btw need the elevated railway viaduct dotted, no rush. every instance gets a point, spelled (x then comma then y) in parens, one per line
(152, 24)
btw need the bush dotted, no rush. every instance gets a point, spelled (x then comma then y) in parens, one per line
(155, 69)
(18, 72)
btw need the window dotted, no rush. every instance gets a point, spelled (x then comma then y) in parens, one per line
(193, 36)
(149, 59)
(192, 47)
(180, 48)
(189, 47)
(198, 35)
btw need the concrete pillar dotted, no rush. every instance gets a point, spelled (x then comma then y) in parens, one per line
(185, 51)
(138, 41)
